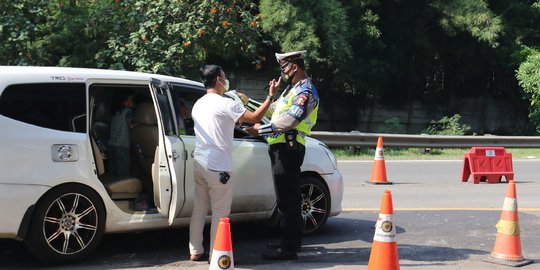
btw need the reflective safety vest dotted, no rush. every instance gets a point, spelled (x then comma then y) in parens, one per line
(282, 107)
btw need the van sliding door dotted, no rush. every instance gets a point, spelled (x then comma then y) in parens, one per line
(168, 170)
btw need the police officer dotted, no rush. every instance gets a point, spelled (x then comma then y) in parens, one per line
(294, 114)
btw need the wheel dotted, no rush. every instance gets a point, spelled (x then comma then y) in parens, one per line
(315, 205)
(67, 224)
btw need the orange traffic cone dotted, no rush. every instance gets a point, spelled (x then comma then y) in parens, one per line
(507, 249)
(222, 255)
(378, 174)
(384, 253)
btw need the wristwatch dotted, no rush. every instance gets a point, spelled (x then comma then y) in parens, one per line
(270, 97)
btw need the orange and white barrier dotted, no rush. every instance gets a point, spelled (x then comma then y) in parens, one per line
(384, 253)
(507, 249)
(378, 173)
(222, 254)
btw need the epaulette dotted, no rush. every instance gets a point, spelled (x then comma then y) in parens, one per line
(307, 84)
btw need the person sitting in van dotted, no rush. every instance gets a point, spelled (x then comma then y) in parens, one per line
(185, 122)
(120, 140)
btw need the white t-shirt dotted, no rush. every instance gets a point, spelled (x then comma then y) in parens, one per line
(215, 117)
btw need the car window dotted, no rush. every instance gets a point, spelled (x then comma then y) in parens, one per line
(59, 106)
(184, 97)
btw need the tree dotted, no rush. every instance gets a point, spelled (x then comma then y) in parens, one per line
(175, 37)
(19, 22)
(528, 75)
(163, 36)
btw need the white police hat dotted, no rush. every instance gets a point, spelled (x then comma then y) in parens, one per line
(286, 57)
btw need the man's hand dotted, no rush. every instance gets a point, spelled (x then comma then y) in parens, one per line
(274, 87)
(253, 131)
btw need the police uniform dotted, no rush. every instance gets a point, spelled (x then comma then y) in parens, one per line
(294, 114)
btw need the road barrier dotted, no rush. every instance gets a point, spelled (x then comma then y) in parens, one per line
(507, 249)
(384, 252)
(378, 173)
(487, 163)
(424, 141)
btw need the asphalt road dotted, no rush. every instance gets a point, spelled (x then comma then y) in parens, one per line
(442, 223)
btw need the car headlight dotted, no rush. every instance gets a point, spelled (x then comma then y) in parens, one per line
(330, 155)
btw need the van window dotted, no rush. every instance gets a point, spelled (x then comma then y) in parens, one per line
(184, 97)
(59, 106)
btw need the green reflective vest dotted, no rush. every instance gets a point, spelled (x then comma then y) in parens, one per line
(282, 107)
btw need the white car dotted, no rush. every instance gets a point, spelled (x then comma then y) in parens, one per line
(56, 192)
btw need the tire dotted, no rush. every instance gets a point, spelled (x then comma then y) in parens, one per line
(67, 224)
(315, 205)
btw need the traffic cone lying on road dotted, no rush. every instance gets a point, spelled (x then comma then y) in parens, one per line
(384, 253)
(222, 255)
(378, 174)
(507, 249)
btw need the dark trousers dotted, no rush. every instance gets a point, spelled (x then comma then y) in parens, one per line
(286, 168)
(119, 160)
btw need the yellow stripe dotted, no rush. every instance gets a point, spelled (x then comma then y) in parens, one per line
(440, 209)
(507, 227)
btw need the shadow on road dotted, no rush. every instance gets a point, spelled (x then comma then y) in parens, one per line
(343, 241)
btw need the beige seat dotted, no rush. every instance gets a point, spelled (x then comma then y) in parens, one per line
(118, 187)
(144, 136)
(123, 188)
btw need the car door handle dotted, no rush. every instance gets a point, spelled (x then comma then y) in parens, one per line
(174, 155)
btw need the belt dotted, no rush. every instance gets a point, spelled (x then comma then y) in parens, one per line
(294, 132)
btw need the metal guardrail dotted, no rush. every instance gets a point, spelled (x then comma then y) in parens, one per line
(423, 141)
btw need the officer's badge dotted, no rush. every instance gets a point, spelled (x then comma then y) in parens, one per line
(301, 100)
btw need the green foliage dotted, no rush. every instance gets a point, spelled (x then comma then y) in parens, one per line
(528, 75)
(163, 36)
(19, 24)
(311, 26)
(473, 16)
(288, 25)
(392, 125)
(359, 51)
(447, 126)
(176, 37)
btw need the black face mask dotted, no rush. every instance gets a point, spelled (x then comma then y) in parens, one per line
(287, 78)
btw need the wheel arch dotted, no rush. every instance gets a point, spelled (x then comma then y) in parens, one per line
(27, 218)
(319, 177)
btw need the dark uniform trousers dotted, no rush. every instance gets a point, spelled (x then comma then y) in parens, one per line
(286, 165)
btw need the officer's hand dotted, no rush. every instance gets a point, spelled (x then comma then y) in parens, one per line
(274, 87)
(243, 97)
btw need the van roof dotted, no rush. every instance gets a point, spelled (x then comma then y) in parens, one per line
(32, 74)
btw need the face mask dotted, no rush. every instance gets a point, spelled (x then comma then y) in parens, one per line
(226, 85)
(287, 78)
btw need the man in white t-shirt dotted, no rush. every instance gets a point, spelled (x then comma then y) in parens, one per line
(215, 117)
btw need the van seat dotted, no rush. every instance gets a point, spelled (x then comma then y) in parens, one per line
(123, 188)
(101, 126)
(144, 135)
(119, 188)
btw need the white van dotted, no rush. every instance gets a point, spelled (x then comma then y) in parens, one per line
(57, 194)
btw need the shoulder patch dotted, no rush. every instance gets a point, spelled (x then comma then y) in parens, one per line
(301, 100)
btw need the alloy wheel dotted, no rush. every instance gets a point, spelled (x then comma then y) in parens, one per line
(70, 223)
(314, 207)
